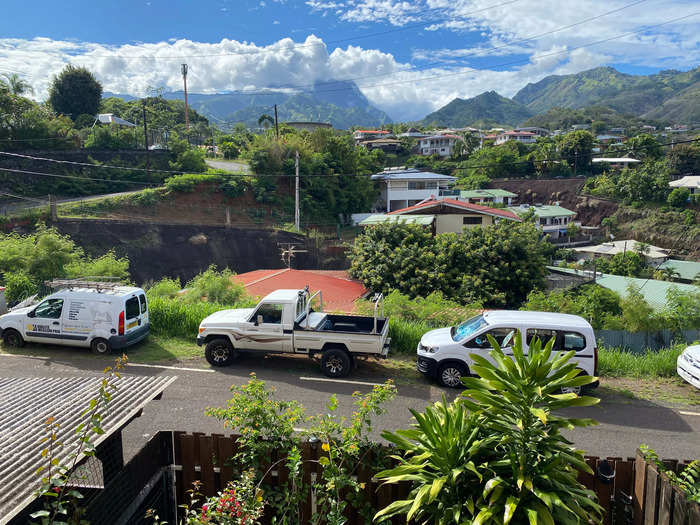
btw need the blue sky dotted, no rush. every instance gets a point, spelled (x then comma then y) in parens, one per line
(408, 56)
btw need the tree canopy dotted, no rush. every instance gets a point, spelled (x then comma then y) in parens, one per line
(74, 92)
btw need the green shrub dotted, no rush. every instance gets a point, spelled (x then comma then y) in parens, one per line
(191, 160)
(188, 182)
(166, 287)
(19, 286)
(216, 287)
(175, 318)
(108, 265)
(405, 335)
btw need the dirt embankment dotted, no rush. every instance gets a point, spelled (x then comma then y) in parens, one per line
(590, 211)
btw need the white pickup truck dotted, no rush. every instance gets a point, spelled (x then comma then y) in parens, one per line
(285, 322)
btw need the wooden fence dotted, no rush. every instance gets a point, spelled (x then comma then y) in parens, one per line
(653, 500)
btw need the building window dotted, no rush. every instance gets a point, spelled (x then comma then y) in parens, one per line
(416, 185)
(543, 222)
(471, 220)
(431, 185)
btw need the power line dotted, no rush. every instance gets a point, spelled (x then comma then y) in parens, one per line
(12, 170)
(86, 164)
(21, 197)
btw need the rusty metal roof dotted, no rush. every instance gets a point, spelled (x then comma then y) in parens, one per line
(27, 402)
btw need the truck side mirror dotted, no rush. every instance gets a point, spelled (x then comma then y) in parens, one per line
(259, 320)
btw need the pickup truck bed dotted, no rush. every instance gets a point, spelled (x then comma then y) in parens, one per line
(342, 323)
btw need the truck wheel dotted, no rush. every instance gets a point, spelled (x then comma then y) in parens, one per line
(100, 346)
(336, 362)
(219, 352)
(13, 338)
(451, 375)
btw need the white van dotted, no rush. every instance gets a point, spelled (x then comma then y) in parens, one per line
(101, 318)
(443, 354)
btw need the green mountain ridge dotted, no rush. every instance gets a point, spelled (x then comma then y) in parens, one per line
(485, 110)
(666, 96)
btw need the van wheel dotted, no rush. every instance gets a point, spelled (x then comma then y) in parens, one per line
(100, 346)
(219, 352)
(578, 390)
(336, 362)
(451, 374)
(13, 338)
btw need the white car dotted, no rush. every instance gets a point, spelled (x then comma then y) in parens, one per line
(444, 354)
(688, 365)
(103, 319)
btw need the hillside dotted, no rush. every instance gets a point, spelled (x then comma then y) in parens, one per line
(340, 102)
(485, 110)
(641, 95)
(603, 117)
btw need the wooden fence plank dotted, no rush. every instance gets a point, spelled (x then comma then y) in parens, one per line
(206, 462)
(640, 485)
(680, 507)
(224, 450)
(603, 491)
(693, 514)
(624, 485)
(188, 464)
(665, 500)
(651, 499)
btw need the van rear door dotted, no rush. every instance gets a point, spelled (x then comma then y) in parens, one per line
(132, 314)
(144, 308)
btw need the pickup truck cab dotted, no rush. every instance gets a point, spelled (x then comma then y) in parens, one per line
(284, 322)
(444, 354)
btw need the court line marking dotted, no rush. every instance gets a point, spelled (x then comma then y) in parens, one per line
(686, 413)
(172, 368)
(24, 355)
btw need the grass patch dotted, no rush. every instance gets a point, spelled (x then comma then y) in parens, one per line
(405, 335)
(619, 362)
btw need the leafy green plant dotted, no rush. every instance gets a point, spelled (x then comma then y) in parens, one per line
(688, 479)
(166, 287)
(61, 505)
(515, 464)
(214, 286)
(620, 362)
(176, 318)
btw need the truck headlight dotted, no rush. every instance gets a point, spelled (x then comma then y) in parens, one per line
(201, 329)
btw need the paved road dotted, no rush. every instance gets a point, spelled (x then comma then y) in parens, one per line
(27, 205)
(229, 165)
(624, 424)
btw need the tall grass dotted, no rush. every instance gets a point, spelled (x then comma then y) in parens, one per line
(619, 362)
(175, 318)
(405, 335)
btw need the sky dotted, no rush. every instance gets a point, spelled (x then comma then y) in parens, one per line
(409, 57)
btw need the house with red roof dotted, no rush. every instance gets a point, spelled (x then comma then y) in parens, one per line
(339, 290)
(445, 215)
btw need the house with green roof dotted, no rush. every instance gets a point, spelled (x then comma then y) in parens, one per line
(687, 271)
(552, 219)
(653, 291)
(487, 196)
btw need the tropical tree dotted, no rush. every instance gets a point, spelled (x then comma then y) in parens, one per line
(266, 121)
(16, 85)
(74, 92)
(576, 148)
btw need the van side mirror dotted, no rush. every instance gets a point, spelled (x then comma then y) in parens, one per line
(259, 320)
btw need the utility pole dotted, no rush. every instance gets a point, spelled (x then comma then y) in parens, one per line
(184, 80)
(145, 141)
(277, 127)
(296, 194)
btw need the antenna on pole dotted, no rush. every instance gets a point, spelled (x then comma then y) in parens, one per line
(184, 80)
(288, 251)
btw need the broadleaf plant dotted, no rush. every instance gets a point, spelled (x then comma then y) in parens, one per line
(502, 439)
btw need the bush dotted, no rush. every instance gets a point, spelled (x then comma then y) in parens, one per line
(216, 287)
(175, 318)
(166, 287)
(191, 160)
(19, 286)
(188, 182)
(405, 335)
(678, 198)
(108, 265)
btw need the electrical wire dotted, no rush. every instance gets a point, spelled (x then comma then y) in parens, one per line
(21, 197)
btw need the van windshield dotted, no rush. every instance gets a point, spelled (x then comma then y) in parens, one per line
(467, 328)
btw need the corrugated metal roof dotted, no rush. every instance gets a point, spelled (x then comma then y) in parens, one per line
(687, 270)
(379, 218)
(467, 206)
(471, 194)
(546, 210)
(25, 405)
(410, 174)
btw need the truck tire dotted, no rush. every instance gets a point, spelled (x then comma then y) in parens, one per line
(100, 346)
(336, 362)
(219, 352)
(12, 338)
(451, 374)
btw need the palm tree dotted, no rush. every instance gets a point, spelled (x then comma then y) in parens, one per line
(265, 121)
(16, 85)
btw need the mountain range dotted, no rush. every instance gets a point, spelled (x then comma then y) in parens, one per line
(339, 103)
(668, 96)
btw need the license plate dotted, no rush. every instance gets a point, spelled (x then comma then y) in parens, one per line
(132, 325)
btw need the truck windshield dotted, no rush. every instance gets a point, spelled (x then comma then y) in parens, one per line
(467, 328)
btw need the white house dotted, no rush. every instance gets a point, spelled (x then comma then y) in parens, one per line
(403, 187)
(540, 132)
(551, 219)
(442, 145)
(444, 215)
(654, 255)
(414, 134)
(616, 162)
(487, 196)
(526, 137)
(692, 182)
(370, 134)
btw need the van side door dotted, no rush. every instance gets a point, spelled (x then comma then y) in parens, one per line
(43, 324)
(480, 344)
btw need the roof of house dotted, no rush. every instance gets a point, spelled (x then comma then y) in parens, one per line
(25, 405)
(111, 118)
(687, 270)
(615, 247)
(491, 136)
(616, 160)
(689, 181)
(339, 290)
(382, 141)
(653, 291)
(423, 220)
(545, 210)
(519, 133)
(378, 131)
(466, 206)
(475, 194)
(608, 137)
(410, 173)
